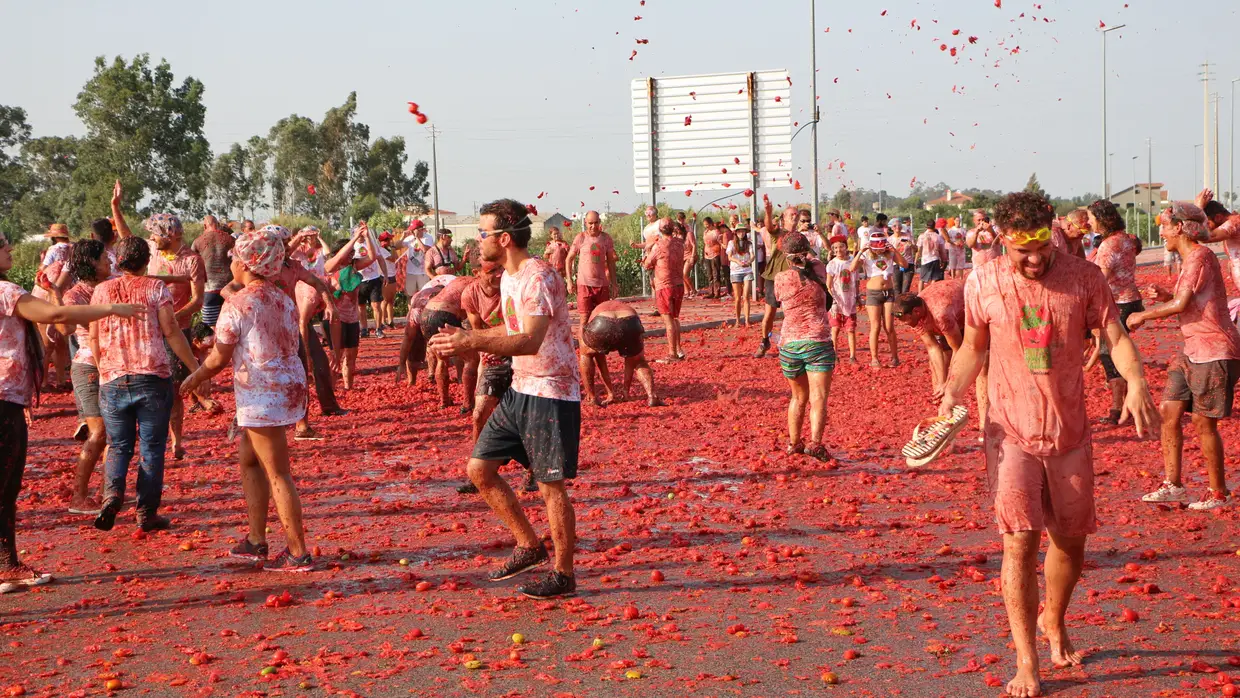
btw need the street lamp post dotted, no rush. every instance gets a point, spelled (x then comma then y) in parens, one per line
(813, 104)
(1106, 181)
(1195, 187)
(880, 192)
(1231, 179)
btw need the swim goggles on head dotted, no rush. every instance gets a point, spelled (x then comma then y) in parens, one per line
(1023, 238)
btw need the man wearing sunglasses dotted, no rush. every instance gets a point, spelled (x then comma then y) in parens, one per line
(1030, 310)
(538, 420)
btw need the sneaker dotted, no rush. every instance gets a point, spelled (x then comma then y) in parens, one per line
(554, 584)
(153, 522)
(1213, 500)
(467, 488)
(1167, 493)
(82, 432)
(818, 452)
(379, 334)
(522, 560)
(762, 350)
(90, 508)
(285, 562)
(21, 577)
(107, 514)
(245, 550)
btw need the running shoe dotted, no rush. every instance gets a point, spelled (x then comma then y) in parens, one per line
(818, 452)
(379, 334)
(551, 586)
(1167, 493)
(153, 522)
(107, 514)
(91, 508)
(245, 550)
(522, 560)
(467, 488)
(21, 577)
(286, 562)
(763, 349)
(1213, 500)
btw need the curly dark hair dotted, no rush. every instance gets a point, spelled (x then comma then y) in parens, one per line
(1109, 220)
(83, 257)
(512, 217)
(907, 303)
(793, 243)
(132, 254)
(1022, 210)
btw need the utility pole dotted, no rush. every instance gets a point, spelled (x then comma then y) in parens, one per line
(880, 192)
(435, 178)
(1231, 183)
(813, 90)
(1205, 120)
(1149, 212)
(1106, 179)
(1217, 99)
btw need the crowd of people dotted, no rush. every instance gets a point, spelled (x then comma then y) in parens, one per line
(1044, 299)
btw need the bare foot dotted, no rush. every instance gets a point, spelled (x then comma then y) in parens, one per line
(1062, 652)
(1025, 684)
(178, 452)
(655, 402)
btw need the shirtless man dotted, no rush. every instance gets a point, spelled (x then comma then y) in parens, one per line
(594, 275)
(616, 327)
(1030, 310)
(442, 311)
(413, 345)
(214, 246)
(937, 315)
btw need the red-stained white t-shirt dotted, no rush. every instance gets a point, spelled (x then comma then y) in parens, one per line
(537, 290)
(930, 244)
(805, 306)
(944, 308)
(1037, 343)
(843, 286)
(132, 346)
(16, 377)
(475, 300)
(593, 251)
(1117, 257)
(186, 262)
(268, 379)
(556, 252)
(80, 295)
(1209, 334)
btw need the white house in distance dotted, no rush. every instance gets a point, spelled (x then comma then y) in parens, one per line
(1142, 196)
(951, 199)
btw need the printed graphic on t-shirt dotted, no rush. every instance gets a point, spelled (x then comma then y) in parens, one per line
(510, 312)
(1035, 334)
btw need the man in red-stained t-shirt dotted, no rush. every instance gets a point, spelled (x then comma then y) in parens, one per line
(666, 258)
(1201, 378)
(594, 276)
(1030, 310)
(556, 251)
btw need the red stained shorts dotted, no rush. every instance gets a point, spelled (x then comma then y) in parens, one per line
(591, 297)
(668, 300)
(845, 322)
(1037, 492)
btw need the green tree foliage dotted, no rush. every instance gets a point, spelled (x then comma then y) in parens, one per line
(1033, 187)
(147, 130)
(381, 173)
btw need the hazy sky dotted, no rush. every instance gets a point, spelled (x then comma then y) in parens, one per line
(533, 96)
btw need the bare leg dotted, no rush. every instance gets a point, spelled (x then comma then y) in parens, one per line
(796, 407)
(639, 366)
(469, 380)
(1172, 439)
(1064, 558)
(819, 389)
(349, 366)
(176, 425)
(875, 313)
(738, 296)
(563, 521)
(256, 488)
(271, 450)
(1212, 451)
(747, 291)
(669, 329)
(889, 324)
(676, 334)
(1020, 595)
(600, 361)
(88, 458)
(983, 398)
(482, 412)
(499, 496)
(852, 344)
(585, 362)
(441, 381)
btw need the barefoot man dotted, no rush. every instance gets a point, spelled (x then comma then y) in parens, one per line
(1030, 309)
(615, 326)
(538, 421)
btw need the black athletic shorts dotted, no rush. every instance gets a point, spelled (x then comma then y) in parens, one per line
(541, 433)
(495, 379)
(371, 291)
(350, 335)
(1125, 310)
(434, 320)
(768, 293)
(607, 334)
(179, 370)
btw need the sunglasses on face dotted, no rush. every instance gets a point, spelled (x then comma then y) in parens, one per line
(1022, 238)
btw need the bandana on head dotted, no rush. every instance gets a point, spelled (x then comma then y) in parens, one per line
(262, 252)
(277, 230)
(1191, 215)
(163, 225)
(311, 229)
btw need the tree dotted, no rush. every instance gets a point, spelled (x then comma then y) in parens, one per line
(146, 130)
(1032, 185)
(229, 180)
(14, 133)
(294, 142)
(381, 173)
(343, 145)
(260, 153)
(52, 194)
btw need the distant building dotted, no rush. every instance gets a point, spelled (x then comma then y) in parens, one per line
(558, 220)
(1142, 196)
(950, 199)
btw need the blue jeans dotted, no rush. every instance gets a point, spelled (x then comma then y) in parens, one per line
(136, 407)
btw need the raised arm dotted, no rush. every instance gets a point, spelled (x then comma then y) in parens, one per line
(118, 218)
(44, 313)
